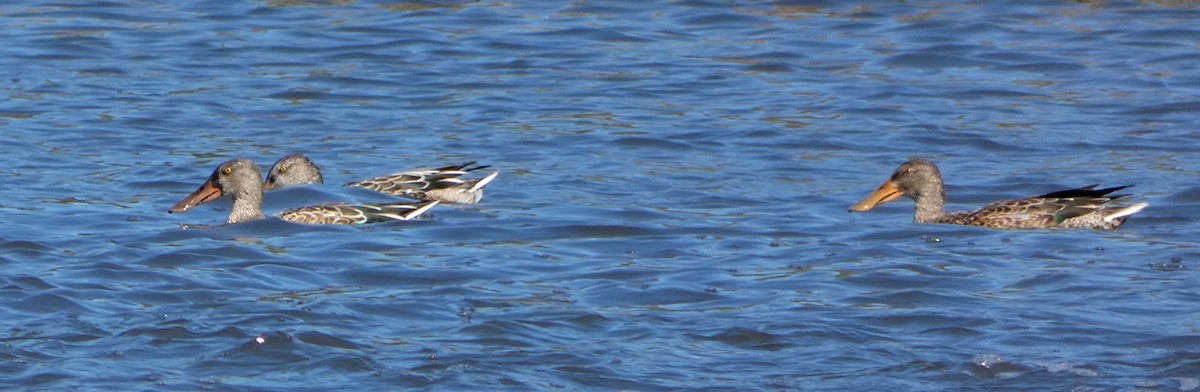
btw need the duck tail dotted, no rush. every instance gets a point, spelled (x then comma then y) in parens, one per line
(404, 211)
(1120, 213)
(484, 181)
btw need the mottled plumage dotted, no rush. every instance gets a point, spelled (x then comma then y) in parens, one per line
(1084, 207)
(353, 214)
(242, 181)
(443, 183)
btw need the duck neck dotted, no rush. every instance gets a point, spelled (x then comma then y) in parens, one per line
(246, 207)
(931, 203)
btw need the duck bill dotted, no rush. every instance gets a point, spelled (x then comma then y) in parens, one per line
(886, 193)
(268, 184)
(206, 193)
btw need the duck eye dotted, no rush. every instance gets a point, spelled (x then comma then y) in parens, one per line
(283, 169)
(227, 170)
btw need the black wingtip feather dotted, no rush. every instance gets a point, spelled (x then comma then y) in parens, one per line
(1086, 191)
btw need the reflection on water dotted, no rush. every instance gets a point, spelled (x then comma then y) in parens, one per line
(671, 213)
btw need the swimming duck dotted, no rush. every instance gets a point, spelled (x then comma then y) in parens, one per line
(1085, 207)
(241, 179)
(442, 184)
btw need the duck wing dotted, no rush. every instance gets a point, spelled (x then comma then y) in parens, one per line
(1087, 191)
(353, 214)
(414, 183)
(1047, 211)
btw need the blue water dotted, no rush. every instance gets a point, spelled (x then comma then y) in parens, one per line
(671, 208)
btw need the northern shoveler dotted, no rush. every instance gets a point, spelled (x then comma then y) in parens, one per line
(442, 184)
(241, 179)
(1084, 207)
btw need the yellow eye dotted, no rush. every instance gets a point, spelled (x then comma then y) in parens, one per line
(283, 169)
(227, 170)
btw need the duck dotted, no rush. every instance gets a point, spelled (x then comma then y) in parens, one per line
(1082, 208)
(241, 179)
(441, 184)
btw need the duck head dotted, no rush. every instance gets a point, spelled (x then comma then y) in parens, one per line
(239, 178)
(294, 169)
(917, 178)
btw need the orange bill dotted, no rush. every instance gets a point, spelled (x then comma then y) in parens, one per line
(206, 193)
(886, 192)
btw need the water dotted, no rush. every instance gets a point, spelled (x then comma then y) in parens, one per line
(671, 208)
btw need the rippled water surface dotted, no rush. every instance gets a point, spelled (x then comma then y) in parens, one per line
(671, 208)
